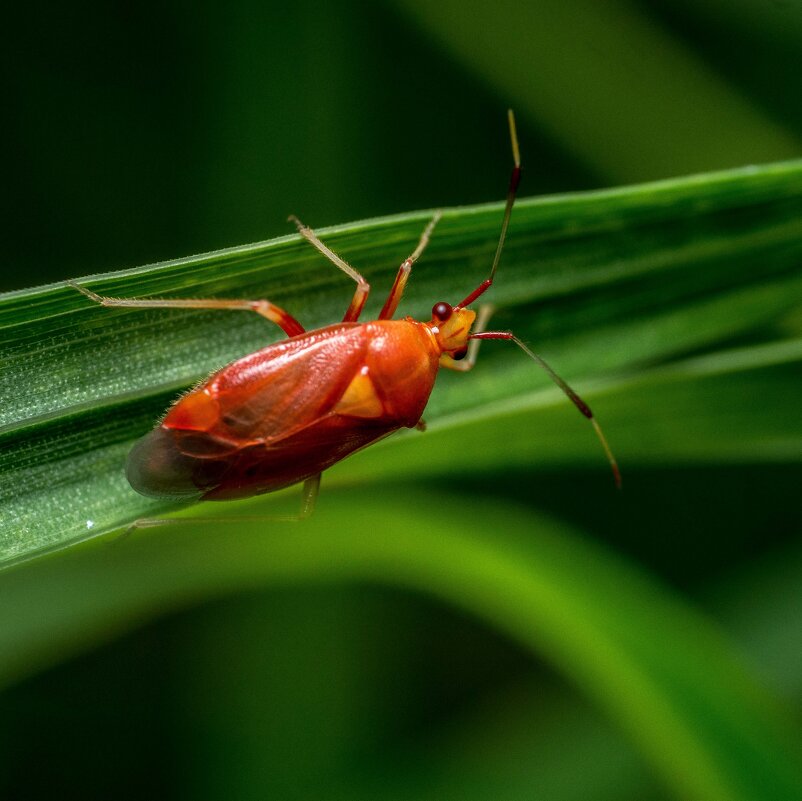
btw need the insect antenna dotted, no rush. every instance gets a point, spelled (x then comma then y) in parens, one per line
(515, 179)
(572, 395)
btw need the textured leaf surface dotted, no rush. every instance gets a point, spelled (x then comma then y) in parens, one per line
(583, 279)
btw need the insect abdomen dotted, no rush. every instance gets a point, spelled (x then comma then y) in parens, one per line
(171, 464)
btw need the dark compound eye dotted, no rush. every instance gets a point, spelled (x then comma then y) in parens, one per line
(441, 311)
(459, 354)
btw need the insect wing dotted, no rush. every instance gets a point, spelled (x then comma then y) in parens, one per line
(261, 423)
(268, 394)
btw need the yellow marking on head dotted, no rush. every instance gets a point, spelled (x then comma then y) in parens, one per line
(452, 334)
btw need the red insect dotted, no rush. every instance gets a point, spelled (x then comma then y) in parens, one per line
(286, 413)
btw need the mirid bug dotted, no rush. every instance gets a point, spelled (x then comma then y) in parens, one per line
(286, 413)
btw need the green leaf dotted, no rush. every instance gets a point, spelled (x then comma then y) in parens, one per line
(606, 285)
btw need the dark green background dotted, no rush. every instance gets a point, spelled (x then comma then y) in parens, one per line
(138, 133)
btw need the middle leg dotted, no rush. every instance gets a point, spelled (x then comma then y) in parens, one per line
(362, 286)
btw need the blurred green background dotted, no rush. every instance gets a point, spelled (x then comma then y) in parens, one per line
(139, 133)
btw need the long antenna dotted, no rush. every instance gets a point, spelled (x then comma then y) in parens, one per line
(572, 395)
(515, 179)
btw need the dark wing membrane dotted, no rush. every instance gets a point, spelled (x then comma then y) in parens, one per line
(157, 467)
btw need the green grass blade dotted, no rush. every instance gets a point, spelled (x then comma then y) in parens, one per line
(603, 284)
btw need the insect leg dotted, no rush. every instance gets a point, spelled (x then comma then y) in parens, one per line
(265, 308)
(309, 493)
(402, 276)
(362, 286)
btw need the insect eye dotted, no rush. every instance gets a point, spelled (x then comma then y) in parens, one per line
(442, 311)
(459, 354)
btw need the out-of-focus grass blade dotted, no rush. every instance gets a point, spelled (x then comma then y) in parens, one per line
(762, 606)
(629, 100)
(661, 672)
(603, 284)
